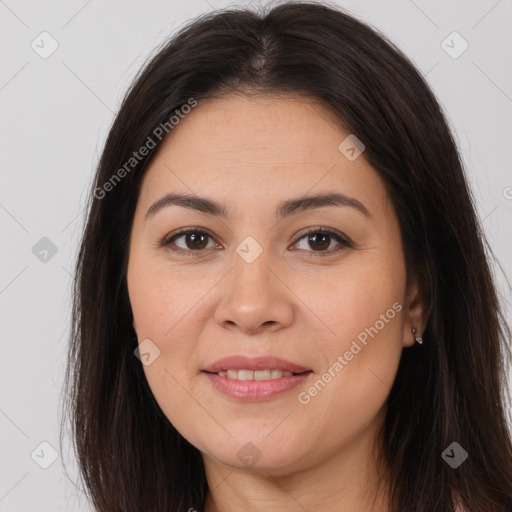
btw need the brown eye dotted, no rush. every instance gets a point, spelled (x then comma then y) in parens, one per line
(319, 241)
(196, 240)
(191, 240)
(323, 241)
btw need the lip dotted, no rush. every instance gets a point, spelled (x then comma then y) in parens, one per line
(255, 390)
(240, 362)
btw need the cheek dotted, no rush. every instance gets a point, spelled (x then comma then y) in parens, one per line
(362, 345)
(359, 301)
(162, 298)
(162, 313)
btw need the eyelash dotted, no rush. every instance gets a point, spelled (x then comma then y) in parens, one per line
(344, 241)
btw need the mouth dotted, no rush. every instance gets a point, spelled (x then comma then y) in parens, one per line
(246, 379)
(245, 374)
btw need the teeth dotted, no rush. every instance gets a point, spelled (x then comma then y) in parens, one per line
(263, 375)
(254, 375)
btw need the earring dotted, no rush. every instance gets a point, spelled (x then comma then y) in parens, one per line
(418, 339)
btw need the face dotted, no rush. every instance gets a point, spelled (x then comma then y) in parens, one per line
(266, 274)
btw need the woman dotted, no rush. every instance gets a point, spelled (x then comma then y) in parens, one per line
(282, 298)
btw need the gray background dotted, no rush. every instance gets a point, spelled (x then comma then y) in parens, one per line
(55, 113)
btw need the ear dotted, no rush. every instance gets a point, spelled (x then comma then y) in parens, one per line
(415, 313)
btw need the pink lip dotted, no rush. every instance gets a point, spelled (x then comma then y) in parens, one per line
(240, 362)
(255, 390)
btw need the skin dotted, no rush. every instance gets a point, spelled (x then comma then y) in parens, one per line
(250, 154)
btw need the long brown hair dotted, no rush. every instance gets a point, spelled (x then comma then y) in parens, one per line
(450, 389)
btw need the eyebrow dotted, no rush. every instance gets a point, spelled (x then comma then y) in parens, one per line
(284, 209)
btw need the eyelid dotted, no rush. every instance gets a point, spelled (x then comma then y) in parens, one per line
(342, 240)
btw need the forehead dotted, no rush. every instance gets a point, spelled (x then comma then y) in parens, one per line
(236, 148)
(288, 129)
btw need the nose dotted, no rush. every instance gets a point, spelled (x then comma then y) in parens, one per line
(255, 298)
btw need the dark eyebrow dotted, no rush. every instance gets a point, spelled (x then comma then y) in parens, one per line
(284, 209)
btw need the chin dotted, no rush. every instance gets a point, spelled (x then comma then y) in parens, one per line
(259, 454)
